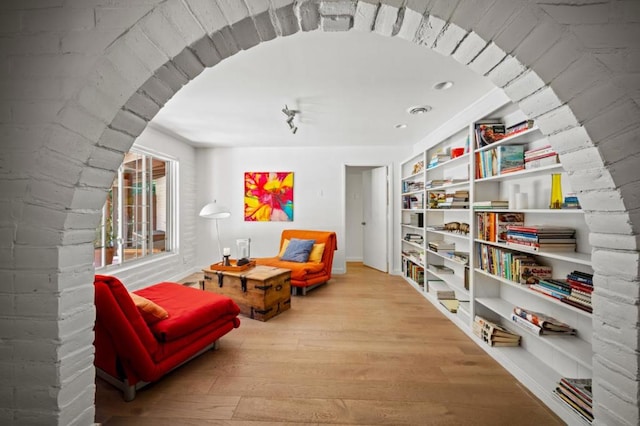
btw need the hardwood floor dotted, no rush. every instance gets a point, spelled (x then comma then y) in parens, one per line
(365, 349)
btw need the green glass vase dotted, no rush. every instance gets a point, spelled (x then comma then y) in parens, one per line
(556, 191)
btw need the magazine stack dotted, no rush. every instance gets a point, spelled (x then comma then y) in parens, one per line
(576, 393)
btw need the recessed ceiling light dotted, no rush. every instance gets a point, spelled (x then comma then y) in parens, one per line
(443, 85)
(419, 109)
(400, 126)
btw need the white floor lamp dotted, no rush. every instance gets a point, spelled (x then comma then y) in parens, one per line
(215, 211)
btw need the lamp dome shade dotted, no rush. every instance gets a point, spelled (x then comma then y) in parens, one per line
(215, 211)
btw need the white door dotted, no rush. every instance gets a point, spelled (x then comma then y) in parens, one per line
(374, 197)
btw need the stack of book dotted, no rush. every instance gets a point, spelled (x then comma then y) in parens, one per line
(455, 200)
(441, 269)
(519, 127)
(438, 158)
(491, 204)
(436, 198)
(577, 394)
(494, 334)
(433, 183)
(541, 237)
(539, 323)
(414, 238)
(571, 202)
(540, 157)
(412, 186)
(445, 248)
(581, 287)
(440, 290)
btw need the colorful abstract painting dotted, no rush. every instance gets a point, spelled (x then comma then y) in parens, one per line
(268, 196)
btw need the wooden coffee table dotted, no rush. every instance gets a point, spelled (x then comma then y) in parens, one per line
(261, 292)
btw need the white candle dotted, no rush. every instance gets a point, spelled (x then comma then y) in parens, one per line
(226, 251)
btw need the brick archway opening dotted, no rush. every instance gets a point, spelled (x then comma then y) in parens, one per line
(143, 68)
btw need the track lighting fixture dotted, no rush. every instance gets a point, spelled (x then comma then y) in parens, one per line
(291, 114)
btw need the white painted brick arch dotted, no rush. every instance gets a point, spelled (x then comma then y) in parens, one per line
(78, 87)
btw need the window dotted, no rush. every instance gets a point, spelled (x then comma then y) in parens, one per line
(138, 218)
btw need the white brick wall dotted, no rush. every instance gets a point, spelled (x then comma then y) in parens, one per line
(67, 68)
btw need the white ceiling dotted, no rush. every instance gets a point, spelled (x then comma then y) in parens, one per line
(351, 88)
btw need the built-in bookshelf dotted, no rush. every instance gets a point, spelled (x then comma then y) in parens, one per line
(505, 158)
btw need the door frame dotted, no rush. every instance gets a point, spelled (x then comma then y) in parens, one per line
(389, 212)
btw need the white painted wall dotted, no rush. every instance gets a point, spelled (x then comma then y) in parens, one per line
(182, 261)
(319, 193)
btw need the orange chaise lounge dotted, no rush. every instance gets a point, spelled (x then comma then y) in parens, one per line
(314, 272)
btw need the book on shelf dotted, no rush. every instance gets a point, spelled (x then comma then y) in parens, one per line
(534, 163)
(526, 325)
(547, 291)
(488, 132)
(531, 274)
(450, 304)
(493, 226)
(442, 246)
(550, 247)
(510, 158)
(488, 204)
(577, 394)
(586, 415)
(519, 127)
(539, 151)
(548, 324)
(543, 229)
(441, 269)
(494, 334)
(582, 387)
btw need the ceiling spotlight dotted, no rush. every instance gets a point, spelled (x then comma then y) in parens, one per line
(443, 85)
(400, 126)
(291, 114)
(419, 109)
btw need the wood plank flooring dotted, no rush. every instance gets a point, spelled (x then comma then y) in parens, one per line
(365, 349)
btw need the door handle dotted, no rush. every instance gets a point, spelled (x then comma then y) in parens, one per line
(363, 223)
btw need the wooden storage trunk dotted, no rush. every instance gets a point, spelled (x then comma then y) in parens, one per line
(261, 292)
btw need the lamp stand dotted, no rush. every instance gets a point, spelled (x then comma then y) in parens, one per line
(218, 238)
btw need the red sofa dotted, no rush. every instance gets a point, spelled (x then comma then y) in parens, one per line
(134, 348)
(306, 275)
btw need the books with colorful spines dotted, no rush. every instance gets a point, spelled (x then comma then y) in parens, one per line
(531, 274)
(543, 229)
(582, 277)
(552, 247)
(519, 127)
(509, 157)
(547, 291)
(581, 387)
(582, 412)
(548, 324)
(536, 152)
(555, 285)
(579, 285)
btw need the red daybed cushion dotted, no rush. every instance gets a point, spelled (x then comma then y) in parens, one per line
(193, 310)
